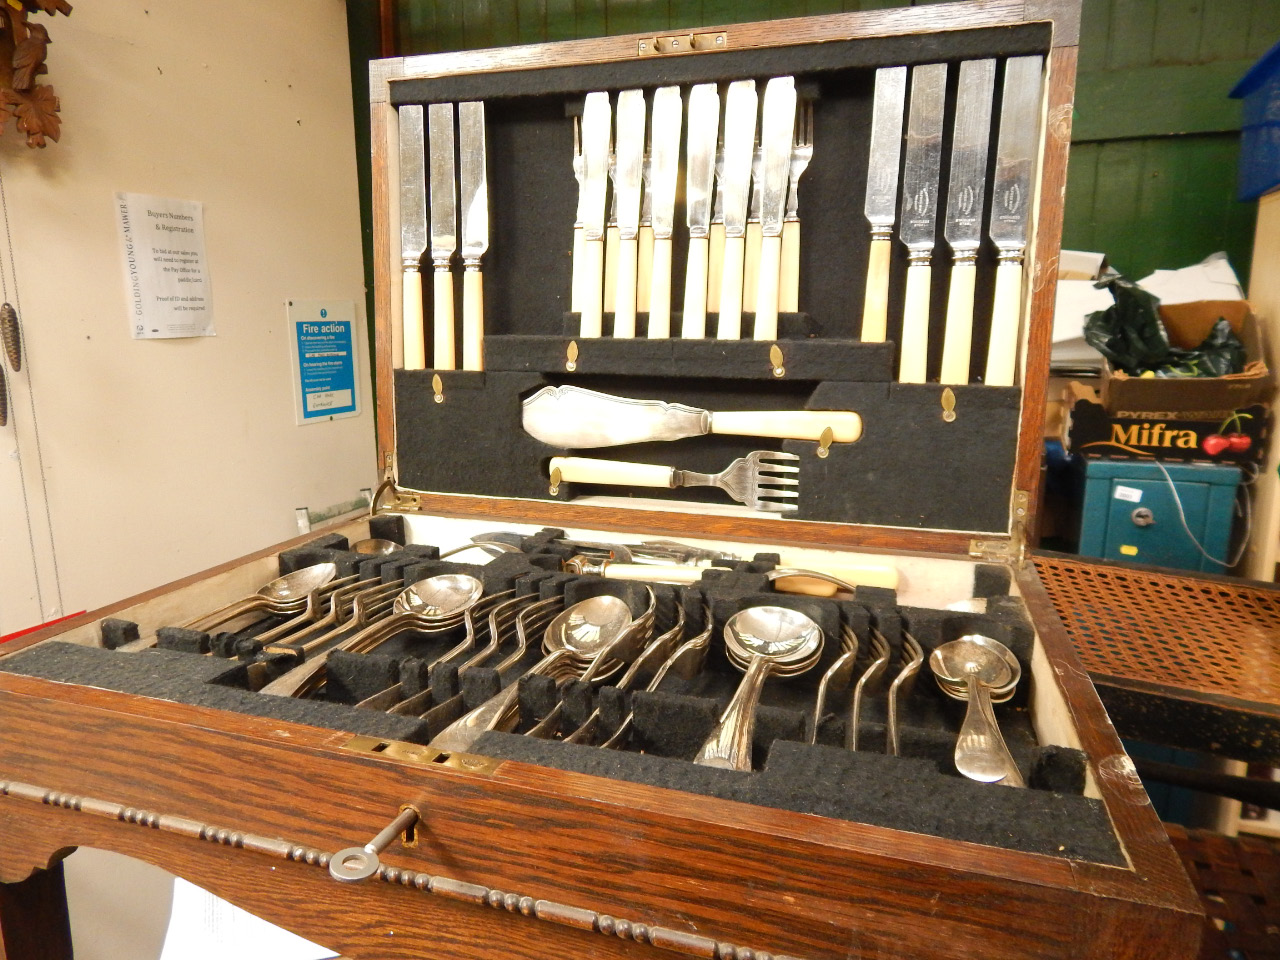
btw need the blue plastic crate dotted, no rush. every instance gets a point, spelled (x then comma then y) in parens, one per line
(1260, 131)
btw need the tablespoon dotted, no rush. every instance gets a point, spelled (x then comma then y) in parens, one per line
(980, 664)
(286, 594)
(579, 633)
(766, 640)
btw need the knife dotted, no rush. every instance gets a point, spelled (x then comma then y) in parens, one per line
(734, 185)
(475, 230)
(413, 231)
(882, 196)
(630, 171)
(751, 264)
(596, 120)
(573, 417)
(644, 242)
(700, 152)
(920, 213)
(963, 228)
(664, 175)
(1010, 207)
(776, 128)
(444, 231)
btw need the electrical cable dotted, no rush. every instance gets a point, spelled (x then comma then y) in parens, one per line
(1242, 499)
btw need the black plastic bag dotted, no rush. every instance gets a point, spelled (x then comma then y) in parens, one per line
(1131, 336)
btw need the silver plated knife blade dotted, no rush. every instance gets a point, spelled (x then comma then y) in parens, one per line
(475, 184)
(596, 121)
(629, 154)
(963, 228)
(777, 125)
(704, 124)
(886, 150)
(923, 158)
(664, 158)
(739, 144)
(444, 185)
(413, 184)
(1015, 152)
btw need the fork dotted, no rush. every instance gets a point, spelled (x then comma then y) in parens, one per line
(801, 154)
(758, 480)
(579, 172)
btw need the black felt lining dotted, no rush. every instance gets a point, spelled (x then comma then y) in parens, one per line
(728, 65)
(869, 788)
(911, 468)
(194, 679)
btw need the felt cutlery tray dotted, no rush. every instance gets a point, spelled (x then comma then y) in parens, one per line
(919, 791)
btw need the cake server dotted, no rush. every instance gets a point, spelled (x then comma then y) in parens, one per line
(475, 230)
(413, 231)
(630, 168)
(734, 186)
(444, 231)
(882, 196)
(574, 417)
(664, 174)
(1010, 208)
(700, 155)
(965, 195)
(777, 127)
(920, 214)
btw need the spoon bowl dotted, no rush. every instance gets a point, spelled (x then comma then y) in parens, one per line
(440, 597)
(374, 547)
(970, 669)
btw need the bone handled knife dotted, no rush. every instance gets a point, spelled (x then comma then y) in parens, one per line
(596, 121)
(644, 242)
(475, 230)
(444, 231)
(664, 175)
(715, 238)
(1010, 208)
(751, 266)
(413, 231)
(882, 196)
(920, 213)
(700, 154)
(777, 126)
(572, 417)
(627, 183)
(735, 183)
(965, 195)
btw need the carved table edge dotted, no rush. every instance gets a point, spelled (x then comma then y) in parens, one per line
(578, 918)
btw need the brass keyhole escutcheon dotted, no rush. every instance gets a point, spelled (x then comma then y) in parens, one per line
(571, 356)
(824, 443)
(437, 387)
(948, 405)
(555, 481)
(775, 360)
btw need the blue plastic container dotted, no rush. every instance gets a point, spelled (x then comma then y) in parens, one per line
(1260, 131)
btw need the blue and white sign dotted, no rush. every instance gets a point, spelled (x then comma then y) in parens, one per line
(322, 341)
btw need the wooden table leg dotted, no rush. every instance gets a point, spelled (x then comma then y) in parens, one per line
(34, 924)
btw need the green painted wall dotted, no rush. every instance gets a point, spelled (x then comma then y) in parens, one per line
(1153, 164)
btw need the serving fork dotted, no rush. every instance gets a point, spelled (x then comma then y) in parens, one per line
(761, 479)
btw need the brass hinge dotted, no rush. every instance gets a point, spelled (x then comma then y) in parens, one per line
(1013, 549)
(418, 754)
(682, 43)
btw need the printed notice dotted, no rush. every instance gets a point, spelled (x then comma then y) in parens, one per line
(322, 343)
(166, 273)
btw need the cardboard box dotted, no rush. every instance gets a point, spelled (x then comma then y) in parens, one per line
(1222, 436)
(1195, 398)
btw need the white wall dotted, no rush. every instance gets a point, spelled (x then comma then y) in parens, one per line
(163, 457)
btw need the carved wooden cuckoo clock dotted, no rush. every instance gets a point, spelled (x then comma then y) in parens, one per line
(30, 104)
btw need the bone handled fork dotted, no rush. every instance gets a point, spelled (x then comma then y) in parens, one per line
(760, 480)
(801, 154)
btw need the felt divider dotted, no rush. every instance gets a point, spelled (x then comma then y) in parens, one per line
(960, 472)
(919, 791)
